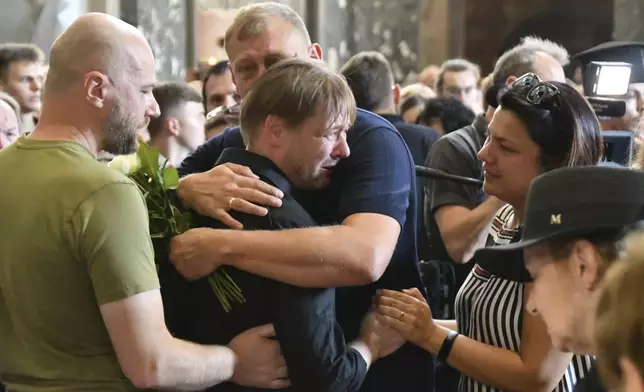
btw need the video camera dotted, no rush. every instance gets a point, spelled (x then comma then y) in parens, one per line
(607, 71)
(606, 82)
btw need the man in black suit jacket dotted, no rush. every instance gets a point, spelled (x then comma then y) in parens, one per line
(288, 149)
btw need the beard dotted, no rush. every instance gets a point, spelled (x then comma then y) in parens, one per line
(120, 131)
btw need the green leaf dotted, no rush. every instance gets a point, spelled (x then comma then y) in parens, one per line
(165, 164)
(170, 178)
(149, 160)
(184, 222)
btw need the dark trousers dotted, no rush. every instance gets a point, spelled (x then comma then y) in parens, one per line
(446, 378)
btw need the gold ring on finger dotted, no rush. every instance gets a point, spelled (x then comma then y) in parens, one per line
(230, 203)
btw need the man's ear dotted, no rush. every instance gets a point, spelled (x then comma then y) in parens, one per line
(274, 128)
(510, 80)
(395, 89)
(173, 126)
(315, 51)
(96, 86)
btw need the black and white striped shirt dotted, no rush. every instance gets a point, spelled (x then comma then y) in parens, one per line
(489, 309)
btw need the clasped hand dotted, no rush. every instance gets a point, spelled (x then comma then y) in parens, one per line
(197, 252)
(260, 362)
(381, 339)
(228, 187)
(407, 312)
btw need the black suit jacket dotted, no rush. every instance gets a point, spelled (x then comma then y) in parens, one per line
(377, 178)
(311, 340)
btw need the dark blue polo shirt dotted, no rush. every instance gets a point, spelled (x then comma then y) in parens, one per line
(419, 139)
(378, 177)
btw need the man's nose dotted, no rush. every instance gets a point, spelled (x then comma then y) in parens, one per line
(153, 109)
(35, 84)
(229, 100)
(342, 150)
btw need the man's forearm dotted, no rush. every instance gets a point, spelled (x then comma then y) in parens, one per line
(187, 366)
(449, 324)
(330, 256)
(460, 227)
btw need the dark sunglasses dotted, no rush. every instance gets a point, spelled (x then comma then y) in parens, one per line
(538, 91)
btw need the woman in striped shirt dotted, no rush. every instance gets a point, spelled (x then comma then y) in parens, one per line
(495, 342)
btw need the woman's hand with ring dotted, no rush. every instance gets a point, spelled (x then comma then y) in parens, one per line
(407, 312)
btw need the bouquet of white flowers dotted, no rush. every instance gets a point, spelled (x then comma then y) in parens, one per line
(158, 183)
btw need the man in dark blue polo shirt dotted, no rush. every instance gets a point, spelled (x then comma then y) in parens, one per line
(370, 77)
(368, 208)
(310, 338)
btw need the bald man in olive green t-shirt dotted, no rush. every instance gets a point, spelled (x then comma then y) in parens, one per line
(76, 240)
(80, 307)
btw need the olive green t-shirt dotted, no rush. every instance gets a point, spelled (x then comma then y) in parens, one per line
(73, 236)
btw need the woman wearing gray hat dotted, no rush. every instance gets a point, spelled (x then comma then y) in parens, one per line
(574, 221)
(496, 342)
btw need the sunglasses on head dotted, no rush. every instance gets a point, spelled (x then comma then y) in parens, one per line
(538, 91)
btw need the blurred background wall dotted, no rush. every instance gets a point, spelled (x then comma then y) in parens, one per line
(411, 33)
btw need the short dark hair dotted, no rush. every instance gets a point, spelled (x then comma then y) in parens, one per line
(13, 52)
(169, 96)
(218, 69)
(451, 112)
(492, 95)
(456, 65)
(565, 128)
(370, 78)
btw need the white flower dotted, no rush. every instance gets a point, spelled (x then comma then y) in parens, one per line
(126, 164)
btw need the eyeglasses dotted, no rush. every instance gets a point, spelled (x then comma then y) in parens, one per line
(538, 91)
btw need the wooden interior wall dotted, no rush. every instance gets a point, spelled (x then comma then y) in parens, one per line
(492, 26)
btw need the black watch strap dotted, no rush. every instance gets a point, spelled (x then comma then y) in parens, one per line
(446, 347)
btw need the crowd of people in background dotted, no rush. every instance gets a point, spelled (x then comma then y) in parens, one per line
(526, 277)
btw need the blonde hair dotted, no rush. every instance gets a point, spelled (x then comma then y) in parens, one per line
(423, 91)
(619, 324)
(294, 90)
(252, 20)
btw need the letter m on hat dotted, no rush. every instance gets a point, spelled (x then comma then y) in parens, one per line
(555, 219)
